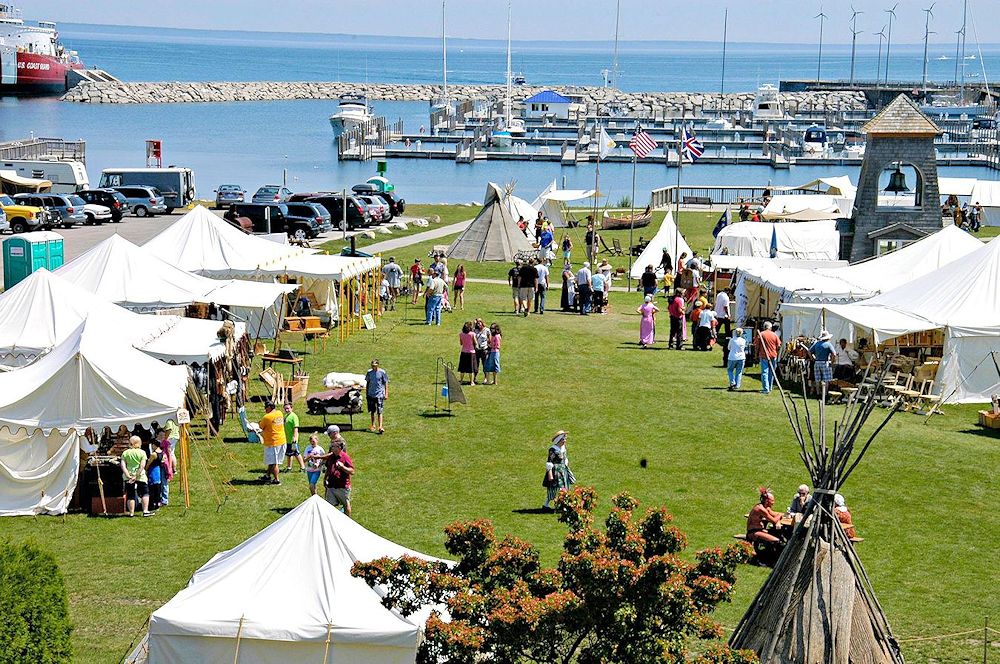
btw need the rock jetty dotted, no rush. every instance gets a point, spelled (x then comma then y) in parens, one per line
(637, 103)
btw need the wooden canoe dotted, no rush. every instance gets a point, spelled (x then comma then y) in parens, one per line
(621, 222)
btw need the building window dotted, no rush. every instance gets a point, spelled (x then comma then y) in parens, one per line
(900, 186)
(883, 247)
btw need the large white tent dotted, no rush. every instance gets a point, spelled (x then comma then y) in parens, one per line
(202, 243)
(552, 201)
(45, 407)
(808, 207)
(963, 299)
(803, 240)
(244, 600)
(667, 237)
(861, 281)
(43, 310)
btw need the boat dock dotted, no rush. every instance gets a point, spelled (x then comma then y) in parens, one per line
(44, 148)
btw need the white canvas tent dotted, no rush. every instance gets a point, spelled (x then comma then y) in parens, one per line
(987, 194)
(837, 185)
(552, 201)
(867, 278)
(518, 207)
(85, 381)
(666, 237)
(41, 311)
(242, 600)
(963, 299)
(803, 240)
(493, 235)
(807, 207)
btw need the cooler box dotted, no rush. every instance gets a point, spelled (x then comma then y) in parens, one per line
(29, 252)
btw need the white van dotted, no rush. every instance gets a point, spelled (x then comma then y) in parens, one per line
(176, 184)
(67, 177)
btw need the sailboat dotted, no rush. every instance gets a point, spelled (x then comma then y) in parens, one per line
(444, 103)
(512, 128)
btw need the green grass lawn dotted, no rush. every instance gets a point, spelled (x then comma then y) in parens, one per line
(438, 215)
(924, 500)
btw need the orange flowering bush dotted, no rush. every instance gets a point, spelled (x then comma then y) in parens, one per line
(619, 594)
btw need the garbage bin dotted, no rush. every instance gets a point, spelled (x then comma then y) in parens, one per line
(29, 252)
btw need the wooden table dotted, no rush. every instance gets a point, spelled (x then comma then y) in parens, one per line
(268, 359)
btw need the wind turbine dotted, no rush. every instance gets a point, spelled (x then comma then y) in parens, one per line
(878, 67)
(888, 39)
(929, 14)
(819, 60)
(854, 37)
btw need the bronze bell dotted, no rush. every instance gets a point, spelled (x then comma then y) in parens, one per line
(897, 182)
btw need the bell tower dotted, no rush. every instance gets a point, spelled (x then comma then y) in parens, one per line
(898, 200)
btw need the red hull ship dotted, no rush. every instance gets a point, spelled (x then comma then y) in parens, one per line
(32, 59)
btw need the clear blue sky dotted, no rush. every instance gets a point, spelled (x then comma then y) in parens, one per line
(749, 20)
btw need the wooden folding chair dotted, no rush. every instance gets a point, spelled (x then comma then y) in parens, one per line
(616, 247)
(926, 396)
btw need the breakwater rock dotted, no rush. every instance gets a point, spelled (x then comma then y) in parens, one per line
(638, 103)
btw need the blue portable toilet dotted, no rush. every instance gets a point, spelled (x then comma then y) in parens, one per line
(29, 252)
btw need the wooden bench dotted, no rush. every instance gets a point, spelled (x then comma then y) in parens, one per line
(697, 200)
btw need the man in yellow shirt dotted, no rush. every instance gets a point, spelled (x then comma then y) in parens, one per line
(272, 427)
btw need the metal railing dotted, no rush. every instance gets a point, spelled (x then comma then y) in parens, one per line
(40, 148)
(361, 142)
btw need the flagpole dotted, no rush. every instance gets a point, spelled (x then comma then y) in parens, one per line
(677, 203)
(631, 221)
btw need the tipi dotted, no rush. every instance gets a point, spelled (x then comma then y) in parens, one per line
(493, 235)
(818, 606)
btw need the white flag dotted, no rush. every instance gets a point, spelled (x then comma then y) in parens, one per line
(607, 144)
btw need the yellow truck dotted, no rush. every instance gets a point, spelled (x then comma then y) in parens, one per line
(23, 218)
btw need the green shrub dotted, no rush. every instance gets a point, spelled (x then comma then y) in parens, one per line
(625, 202)
(35, 626)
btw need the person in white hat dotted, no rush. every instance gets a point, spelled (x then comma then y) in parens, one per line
(584, 289)
(822, 353)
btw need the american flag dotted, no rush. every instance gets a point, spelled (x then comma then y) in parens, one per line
(642, 143)
(691, 147)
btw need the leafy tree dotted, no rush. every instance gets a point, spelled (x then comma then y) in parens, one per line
(621, 595)
(35, 625)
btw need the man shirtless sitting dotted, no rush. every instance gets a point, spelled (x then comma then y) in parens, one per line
(760, 516)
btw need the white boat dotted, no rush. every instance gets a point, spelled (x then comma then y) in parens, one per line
(719, 124)
(767, 104)
(814, 141)
(351, 113)
(511, 128)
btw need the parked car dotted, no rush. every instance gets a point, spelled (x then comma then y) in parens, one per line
(175, 184)
(64, 210)
(271, 193)
(312, 214)
(143, 201)
(357, 211)
(109, 198)
(377, 208)
(396, 204)
(227, 194)
(22, 217)
(281, 220)
(96, 214)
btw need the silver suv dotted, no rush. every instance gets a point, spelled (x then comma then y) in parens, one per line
(143, 201)
(65, 210)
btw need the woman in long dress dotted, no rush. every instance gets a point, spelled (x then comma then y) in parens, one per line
(647, 326)
(467, 358)
(558, 476)
(568, 288)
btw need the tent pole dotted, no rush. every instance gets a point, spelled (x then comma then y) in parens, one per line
(631, 221)
(677, 203)
(185, 466)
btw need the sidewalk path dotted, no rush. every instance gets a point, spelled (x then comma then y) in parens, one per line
(416, 238)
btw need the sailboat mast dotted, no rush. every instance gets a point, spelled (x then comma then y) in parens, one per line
(965, 19)
(614, 62)
(444, 46)
(509, 90)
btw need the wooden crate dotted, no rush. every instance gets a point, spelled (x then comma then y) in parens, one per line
(989, 420)
(296, 389)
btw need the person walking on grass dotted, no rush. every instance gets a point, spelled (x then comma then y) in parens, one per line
(676, 310)
(416, 279)
(567, 247)
(467, 357)
(314, 462)
(272, 429)
(541, 286)
(292, 439)
(433, 295)
(584, 290)
(339, 469)
(567, 299)
(458, 287)
(133, 464)
(154, 473)
(647, 326)
(736, 359)
(393, 274)
(648, 281)
(514, 281)
(492, 365)
(528, 281)
(558, 476)
(377, 392)
(482, 334)
(767, 344)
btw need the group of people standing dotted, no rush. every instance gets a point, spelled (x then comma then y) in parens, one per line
(147, 468)
(529, 283)
(435, 284)
(586, 291)
(480, 349)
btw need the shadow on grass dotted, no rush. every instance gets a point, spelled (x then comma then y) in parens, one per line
(242, 481)
(282, 510)
(631, 345)
(985, 433)
(430, 414)
(532, 510)
(237, 439)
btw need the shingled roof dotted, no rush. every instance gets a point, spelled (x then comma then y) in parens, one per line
(901, 117)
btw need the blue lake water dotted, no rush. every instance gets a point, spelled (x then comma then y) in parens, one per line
(251, 143)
